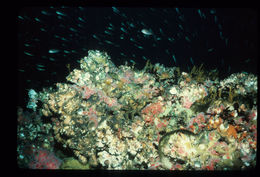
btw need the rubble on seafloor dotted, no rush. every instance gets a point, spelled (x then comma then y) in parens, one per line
(157, 118)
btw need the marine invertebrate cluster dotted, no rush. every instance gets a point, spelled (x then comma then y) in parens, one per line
(42, 159)
(118, 118)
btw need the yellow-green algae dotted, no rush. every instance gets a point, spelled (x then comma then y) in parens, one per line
(71, 163)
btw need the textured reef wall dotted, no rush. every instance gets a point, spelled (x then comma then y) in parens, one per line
(112, 117)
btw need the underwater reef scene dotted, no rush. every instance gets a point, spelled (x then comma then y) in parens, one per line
(106, 116)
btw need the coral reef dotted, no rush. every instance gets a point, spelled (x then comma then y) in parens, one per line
(112, 117)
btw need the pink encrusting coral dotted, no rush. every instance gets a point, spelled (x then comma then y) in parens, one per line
(87, 92)
(92, 115)
(141, 80)
(199, 121)
(186, 102)
(222, 145)
(161, 124)
(43, 159)
(110, 102)
(155, 163)
(151, 111)
(176, 166)
(211, 164)
(128, 76)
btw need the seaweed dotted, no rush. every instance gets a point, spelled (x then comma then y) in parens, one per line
(231, 95)
(178, 71)
(201, 105)
(199, 75)
(148, 66)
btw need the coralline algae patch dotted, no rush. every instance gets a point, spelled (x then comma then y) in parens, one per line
(158, 118)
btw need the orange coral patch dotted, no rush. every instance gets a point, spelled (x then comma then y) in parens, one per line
(232, 131)
(232, 114)
(244, 134)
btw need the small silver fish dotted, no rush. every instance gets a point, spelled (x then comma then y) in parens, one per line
(147, 32)
(115, 10)
(191, 61)
(54, 51)
(173, 56)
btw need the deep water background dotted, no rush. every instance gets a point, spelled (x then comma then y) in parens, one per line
(51, 40)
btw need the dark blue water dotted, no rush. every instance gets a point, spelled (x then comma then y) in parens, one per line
(52, 40)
